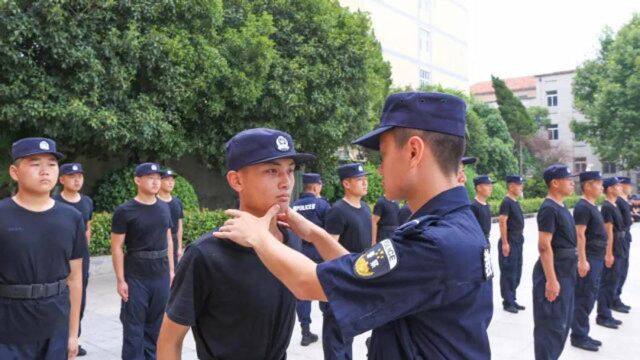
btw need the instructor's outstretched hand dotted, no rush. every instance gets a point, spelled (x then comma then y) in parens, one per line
(246, 229)
(300, 225)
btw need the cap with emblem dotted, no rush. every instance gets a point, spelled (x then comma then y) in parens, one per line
(259, 145)
(590, 175)
(168, 173)
(311, 178)
(610, 181)
(482, 179)
(624, 180)
(514, 179)
(557, 171)
(34, 146)
(351, 170)
(71, 168)
(468, 160)
(428, 111)
(147, 169)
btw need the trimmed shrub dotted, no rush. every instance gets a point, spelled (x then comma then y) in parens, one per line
(117, 187)
(375, 189)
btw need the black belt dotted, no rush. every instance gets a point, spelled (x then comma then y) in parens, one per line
(388, 227)
(150, 255)
(619, 234)
(33, 291)
(565, 253)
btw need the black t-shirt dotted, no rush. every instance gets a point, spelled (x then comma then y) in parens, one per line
(404, 214)
(513, 211)
(587, 214)
(352, 224)
(612, 215)
(482, 212)
(85, 206)
(557, 220)
(625, 211)
(177, 213)
(35, 248)
(235, 307)
(387, 210)
(145, 228)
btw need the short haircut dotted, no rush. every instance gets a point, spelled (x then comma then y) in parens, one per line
(308, 187)
(447, 149)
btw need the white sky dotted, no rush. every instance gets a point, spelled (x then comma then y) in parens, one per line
(512, 38)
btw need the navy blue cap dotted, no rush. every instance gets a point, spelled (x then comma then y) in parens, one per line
(610, 181)
(590, 175)
(482, 179)
(148, 168)
(167, 173)
(351, 170)
(311, 178)
(624, 179)
(33, 146)
(71, 168)
(468, 160)
(557, 171)
(255, 146)
(437, 112)
(514, 179)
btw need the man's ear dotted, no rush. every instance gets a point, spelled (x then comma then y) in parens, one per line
(13, 172)
(235, 180)
(137, 180)
(417, 149)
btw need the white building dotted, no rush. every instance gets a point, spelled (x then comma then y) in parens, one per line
(425, 41)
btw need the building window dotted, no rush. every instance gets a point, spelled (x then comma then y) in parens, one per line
(552, 132)
(552, 98)
(425, 44)
(579, 164)
(424, 9)
(425, 77)
(609, 168)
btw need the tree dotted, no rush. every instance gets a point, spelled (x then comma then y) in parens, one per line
(158, 79)
(607, 91)
(520, 124)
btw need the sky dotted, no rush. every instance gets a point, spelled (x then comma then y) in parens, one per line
(512, 38)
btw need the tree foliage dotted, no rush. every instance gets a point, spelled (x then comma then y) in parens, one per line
(607, 92)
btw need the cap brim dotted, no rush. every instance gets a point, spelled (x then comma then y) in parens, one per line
(73, 172)
(58, 155)
(360, 174)
(372, 139)
(298, 158)
(162, 176)
(469, 160)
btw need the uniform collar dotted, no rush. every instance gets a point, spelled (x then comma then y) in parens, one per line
(444, 203)
(306, 195)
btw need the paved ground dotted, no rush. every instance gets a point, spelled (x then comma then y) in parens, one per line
(511, 335)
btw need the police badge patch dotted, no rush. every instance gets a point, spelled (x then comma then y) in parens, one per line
(376, 261)
(486, 264)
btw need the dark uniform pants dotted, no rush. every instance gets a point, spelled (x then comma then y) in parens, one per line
(587, 289)
(141, 316)
(624, 269)
(510, 269)
(53, 348)
(552, 320)
(611, 277)
(334, 346)
(85, 283)
(303, 308)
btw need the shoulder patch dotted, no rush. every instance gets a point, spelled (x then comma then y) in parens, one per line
(486, 263)
(376, 261)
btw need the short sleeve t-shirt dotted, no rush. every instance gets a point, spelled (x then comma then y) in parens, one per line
(35, 248)
(625, 211)
(482, 212)
(557, 220)
(588, 215)
(612, 215)
(513, 211)
(387, 210)
(85, 206)
(177, 213)
(352, 224)
(145, 228)
(404, 214)
(235, 307)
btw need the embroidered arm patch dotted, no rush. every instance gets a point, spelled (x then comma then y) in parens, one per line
(376, 261)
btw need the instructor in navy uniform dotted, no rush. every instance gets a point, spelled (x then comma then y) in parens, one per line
(427, 293)
(554, 274)
(313, 207)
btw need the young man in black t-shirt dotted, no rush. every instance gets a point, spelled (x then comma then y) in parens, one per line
(624, 205)
(616, 249)
(143, 274)
(234, 306)
(42, 243)
(167, 184)
(384, 219)
(511, 222)
(349, 222)
(72, 179)
(480, 206)
(592, 243)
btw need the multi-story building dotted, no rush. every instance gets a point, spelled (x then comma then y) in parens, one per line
(425, 41)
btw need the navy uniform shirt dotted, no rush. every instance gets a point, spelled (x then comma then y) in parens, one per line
(145, 228)
(613, 215)
(311, 207)
(426, 293)
(35, 248)
(587, 214)
(515, 218)
(352, 224)
(482, 212)
(387, 210)
(557, 220)
(404, 214)
(177, 212)
(235, 307)
(85, 206)
(625, 211)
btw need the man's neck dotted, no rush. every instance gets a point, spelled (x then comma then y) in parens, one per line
(556, 197)
(590, 198)
(70, 195)
(165, 196)
(147, 199)
(420, 194)
(512, 196)
(482, 200)
(33, 202)
(352, 200)
(612, 199)
(273, 225)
